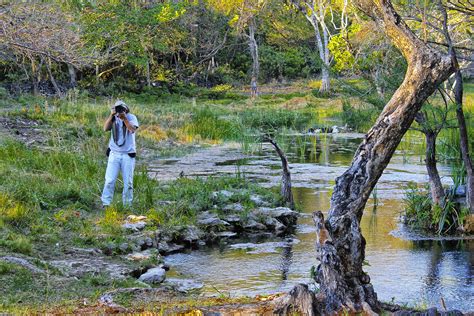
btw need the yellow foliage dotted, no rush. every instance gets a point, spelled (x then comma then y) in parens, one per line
(111, 221)
(153, 132)
(12, 211)
(314, 84)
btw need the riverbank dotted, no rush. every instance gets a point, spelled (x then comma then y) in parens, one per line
(68, 253)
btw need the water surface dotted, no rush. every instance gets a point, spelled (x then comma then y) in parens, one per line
(418, 272)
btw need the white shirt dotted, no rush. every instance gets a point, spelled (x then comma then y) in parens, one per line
(124, 144)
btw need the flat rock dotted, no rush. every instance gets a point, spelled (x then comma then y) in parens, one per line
(226, 234)
(277, 212)
(209, 219)
(232, 218)
(23, 263)
(134, 226)
(184, 285)
(140, 256)
(234, 207)
(252, 224)
(81, 266)
(266, 247)
(153, 276)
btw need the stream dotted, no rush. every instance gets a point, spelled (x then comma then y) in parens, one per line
(405, 268)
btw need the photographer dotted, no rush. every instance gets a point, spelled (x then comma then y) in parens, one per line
(121, 152)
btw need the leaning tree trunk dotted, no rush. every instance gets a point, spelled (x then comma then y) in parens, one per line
(340, 275)
(52, 79)
(285, 189)
(436, 187)
(458, 92)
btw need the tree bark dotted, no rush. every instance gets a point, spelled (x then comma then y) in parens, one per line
(253, 46)
(322, 44)
(52, 79)
(285, 189)
(463, 134)
(148, 77)
(72, 75)
(458, 94)
(341, 278)
(34, 76)
(436, 187)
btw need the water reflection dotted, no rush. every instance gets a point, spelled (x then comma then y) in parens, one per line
(421, 273)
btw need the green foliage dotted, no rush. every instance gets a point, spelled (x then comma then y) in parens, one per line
(269, 120)
(289, 63)
(421, 213)
(360, 119)
(417, 207)
(16, 242)
(207, 124)
(185, 198)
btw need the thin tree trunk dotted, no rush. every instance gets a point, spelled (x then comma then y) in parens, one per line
(51, 78)
(325, 80)
(148, 79)
(255, 62)
(34, 77)
(458, 93)
(285, 189)
(72, 75)
(341, 255)
(97, 75)
(436, 187)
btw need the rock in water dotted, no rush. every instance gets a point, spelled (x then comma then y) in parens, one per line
(153, 276)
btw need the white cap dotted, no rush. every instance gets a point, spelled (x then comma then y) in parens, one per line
(121, 103)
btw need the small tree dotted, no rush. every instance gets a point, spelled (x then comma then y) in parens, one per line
(37, 35)
(316, 12)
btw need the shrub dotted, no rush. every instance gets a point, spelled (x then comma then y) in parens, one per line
(16, 243)
(358, 119)
(13, 212)
(273, 120)
(207, 124)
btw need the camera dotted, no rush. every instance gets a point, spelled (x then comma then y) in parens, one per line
(120, 109)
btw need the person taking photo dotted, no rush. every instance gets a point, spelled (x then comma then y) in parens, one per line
(121, 152)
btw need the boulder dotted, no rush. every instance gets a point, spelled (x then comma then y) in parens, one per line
(153, 276)
(134, 226)
(209, 219)
(192, 234)
(233, 219)
(235, 208)
(165, 247)
(252, 224)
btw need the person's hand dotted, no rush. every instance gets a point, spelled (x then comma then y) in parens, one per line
(122, 116)
(112, 111)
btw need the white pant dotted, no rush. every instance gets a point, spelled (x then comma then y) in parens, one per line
(119, 162)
